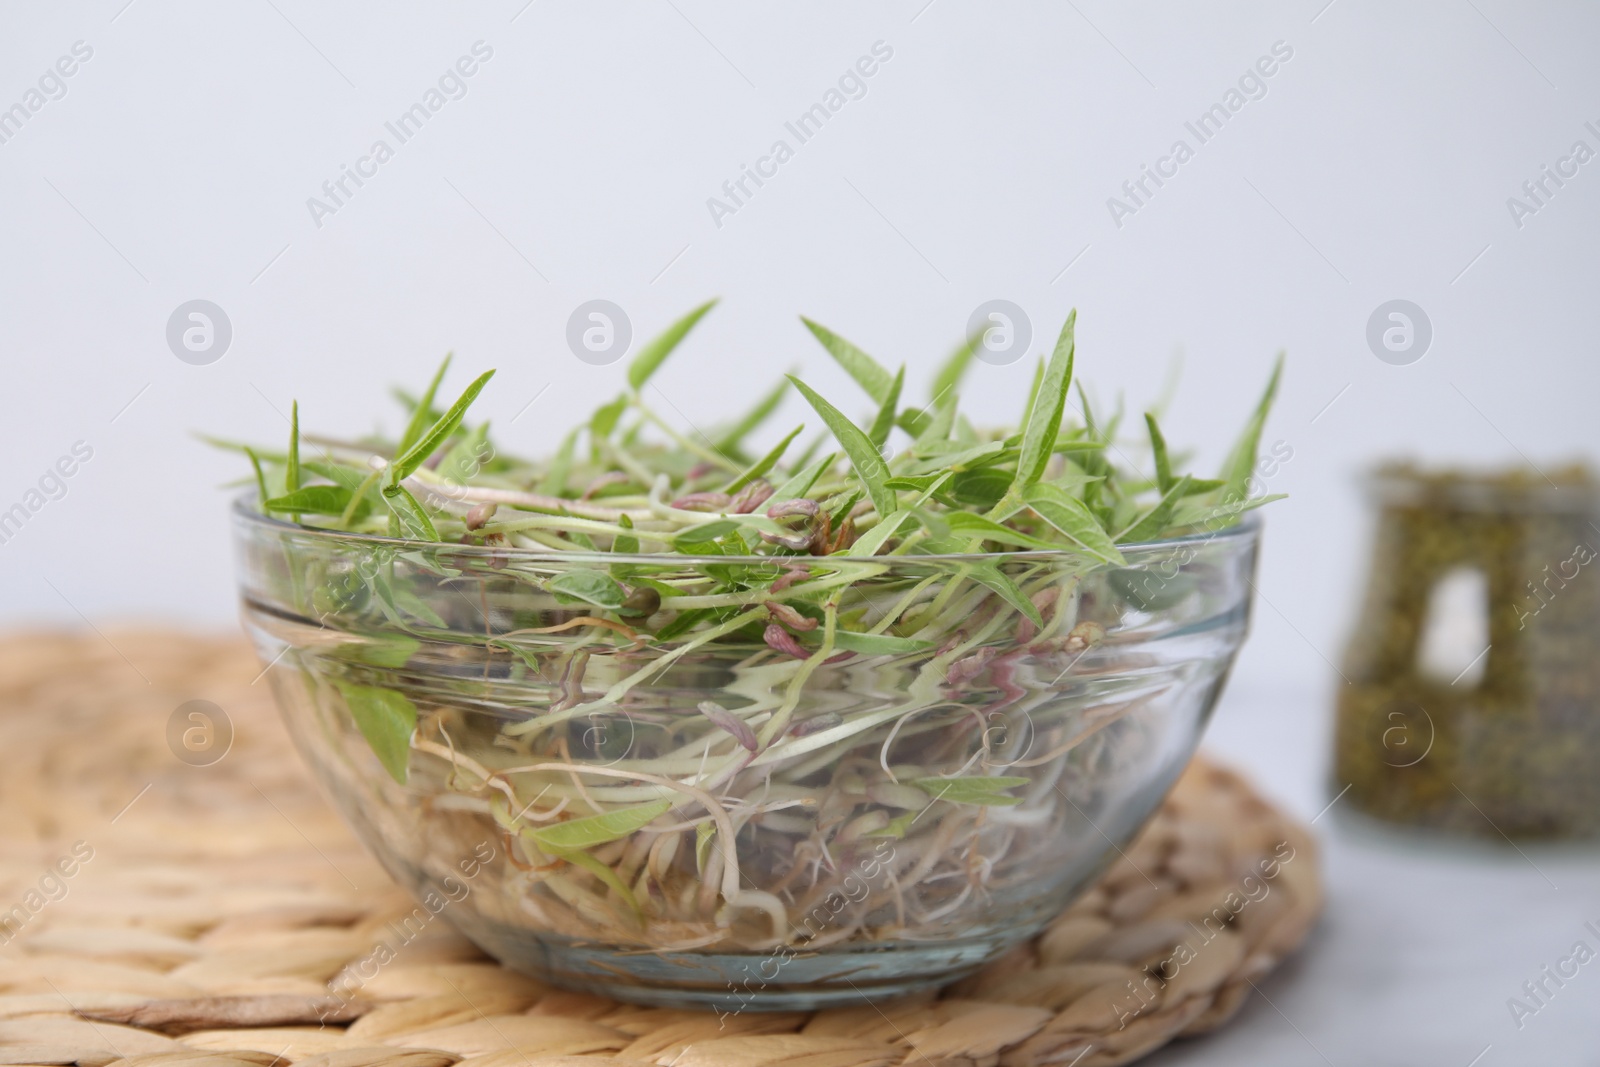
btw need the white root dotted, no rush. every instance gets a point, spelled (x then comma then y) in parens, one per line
(756, 900)
(730, 876)
(458, 495)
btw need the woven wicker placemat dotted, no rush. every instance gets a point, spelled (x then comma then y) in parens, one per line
(156, 912)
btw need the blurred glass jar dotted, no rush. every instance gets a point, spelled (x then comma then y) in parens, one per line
(1473, 695)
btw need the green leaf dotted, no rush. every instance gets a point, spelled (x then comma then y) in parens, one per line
(409, 516)
(800, 484)
(600, 871)
(935, 429)
(913, 422)
(399, 601)
(1033, 394)
(873, 540)
(406, 600)
(578, 834)
(408, 400)
(393, 652)
(705, 532)
(938, 529)
(731, 439)
(765, 463)
(555, 475)
(1241, 461)
(981, 488)
(361, 500)
(1158, 445)
(1044, 420)
(605, 418)
(1115, 421)
(1073, 518)
(1148, 590)
(897, 828)
(949, 376)
(591, 587)
(868, 464)
(920, 483)
(703, 835)
(386, 719)
(966, 524)
(261, 479)
(989, 792)
(347, 477)
(868, 372)
(291, 478)
(439, 433)
(879, 535)
(466, 458)
(423, 411)
(1070, 445)
(987, 574)
(1088, 411)
(960, 456)
(529, 656)
(879, 433)
(878, 644)
(839, 507)
(1150, 525)
(1219, 515)
(652, 355)
(683, 623)
(625, 544)
(1094, 462)
(316, 499)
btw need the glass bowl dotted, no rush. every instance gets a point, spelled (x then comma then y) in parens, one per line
(678, 809)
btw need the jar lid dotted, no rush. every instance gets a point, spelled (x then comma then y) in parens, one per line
(1570, 489)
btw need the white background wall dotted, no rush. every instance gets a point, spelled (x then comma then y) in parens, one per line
(978, 165)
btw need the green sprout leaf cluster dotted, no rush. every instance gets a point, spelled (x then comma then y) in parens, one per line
(627, 482)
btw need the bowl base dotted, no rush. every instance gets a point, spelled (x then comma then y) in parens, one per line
(783, 979)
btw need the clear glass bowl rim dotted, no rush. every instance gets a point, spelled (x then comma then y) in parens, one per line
(1247, 529)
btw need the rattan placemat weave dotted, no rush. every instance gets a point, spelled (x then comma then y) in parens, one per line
(154, 912)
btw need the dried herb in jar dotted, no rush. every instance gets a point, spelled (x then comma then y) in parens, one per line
(1473, 701)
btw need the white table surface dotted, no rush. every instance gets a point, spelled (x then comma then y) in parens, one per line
(1423, 940)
